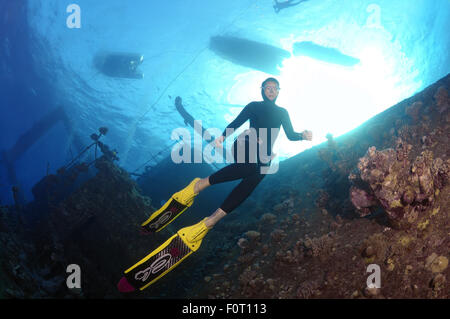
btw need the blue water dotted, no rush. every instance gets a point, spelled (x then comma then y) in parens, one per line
(44, 65)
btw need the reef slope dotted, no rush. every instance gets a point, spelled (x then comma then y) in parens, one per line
(377, 195)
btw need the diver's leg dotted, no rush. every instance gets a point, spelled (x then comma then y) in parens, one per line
(241, 192)
(229, 173)
(201, 185)
(236, 197)
(232, 172)
(215, 217)
(238, 194)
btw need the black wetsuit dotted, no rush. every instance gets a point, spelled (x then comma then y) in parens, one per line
(262, 115)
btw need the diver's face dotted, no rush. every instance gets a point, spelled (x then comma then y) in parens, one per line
(271, 90)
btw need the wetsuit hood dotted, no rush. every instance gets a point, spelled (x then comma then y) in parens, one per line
(265, 98)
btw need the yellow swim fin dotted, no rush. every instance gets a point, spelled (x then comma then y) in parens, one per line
(174, 207)
(193, 235)
(164, 258)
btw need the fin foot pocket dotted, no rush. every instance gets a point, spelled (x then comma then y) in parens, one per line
(193, 235)
(186, 195)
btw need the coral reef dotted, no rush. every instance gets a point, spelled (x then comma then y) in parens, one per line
(393, 172)
(403, 189)
(442, 99)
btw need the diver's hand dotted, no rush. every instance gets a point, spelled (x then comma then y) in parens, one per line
(307, 135)
(218, 141)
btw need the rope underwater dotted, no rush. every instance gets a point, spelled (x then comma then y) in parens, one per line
(151, 107)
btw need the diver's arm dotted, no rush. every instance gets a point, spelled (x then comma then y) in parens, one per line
(239, 120)
(287, 126)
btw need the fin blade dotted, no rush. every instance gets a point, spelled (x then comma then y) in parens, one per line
(154, 252)
(157, 213)
(173, 208)
(164, 216)
(124, 285)
(157, 264)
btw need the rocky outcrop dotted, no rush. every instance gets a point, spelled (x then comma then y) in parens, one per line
(404, 190)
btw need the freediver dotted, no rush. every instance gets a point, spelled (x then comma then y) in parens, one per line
(285, 4)
(250, 169)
